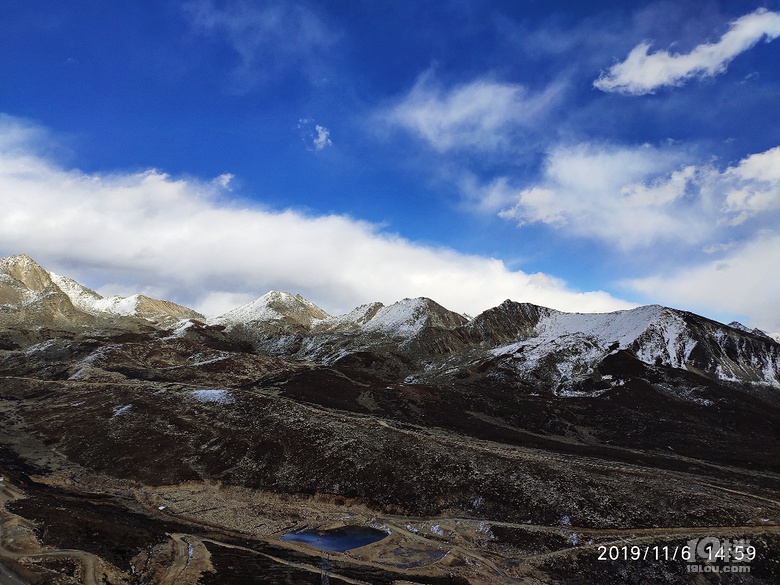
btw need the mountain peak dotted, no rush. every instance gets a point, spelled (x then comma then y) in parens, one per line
(275, 306)
(156, 311)
(47, 298)
(26, 270)
(409, 316)
(507, 322)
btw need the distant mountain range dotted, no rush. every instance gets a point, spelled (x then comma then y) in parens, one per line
(418, 340)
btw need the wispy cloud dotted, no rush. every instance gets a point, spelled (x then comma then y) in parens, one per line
(224, 181)
(323, 137)
(267, 37)
(643, 73)
(315, 137)
(743, 281)
(189, 242)
(482, 114)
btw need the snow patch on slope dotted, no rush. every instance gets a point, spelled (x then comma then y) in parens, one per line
(352, 321)
(622, 327)
(619, 329)
(213, 395)
(404, 318)
(180, 328)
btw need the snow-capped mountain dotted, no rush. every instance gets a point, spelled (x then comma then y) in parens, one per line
(527, 343)
(30, 298)
(286, 312)
(410, 316)
(523, 416)
(353, 321)
(31, 294)
(284, 324)
(274, 309)
(157, 311)
(567, 348)
(401, 320)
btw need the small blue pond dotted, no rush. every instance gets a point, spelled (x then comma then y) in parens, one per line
(338, 539)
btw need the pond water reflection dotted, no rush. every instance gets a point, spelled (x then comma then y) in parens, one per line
(338, 539)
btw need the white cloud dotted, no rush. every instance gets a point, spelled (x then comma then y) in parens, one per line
(482, 114)
(488, 198)
(745, 281)
(323, 137)
(637, 198)
(755, 187)
(315, 137)
(634, 197)
(224, 180)
(643, 73)
(764, 166)
(660, 191)
(623, 195)
(718, 247)
(148, 231)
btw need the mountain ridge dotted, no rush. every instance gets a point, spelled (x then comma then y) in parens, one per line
(71, 303)
(425, 340)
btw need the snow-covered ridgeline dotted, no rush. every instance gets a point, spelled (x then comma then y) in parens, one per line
(274, 306)
(402, 319)
(155, 311)
(90, 302)
(657, 335)
(407, 317)
(574, 342)
(352, 321)
(622, 328)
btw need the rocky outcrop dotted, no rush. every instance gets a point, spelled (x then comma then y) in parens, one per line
(510, 321)
(29, 297)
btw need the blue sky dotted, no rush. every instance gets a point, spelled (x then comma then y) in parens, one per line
(580, 155)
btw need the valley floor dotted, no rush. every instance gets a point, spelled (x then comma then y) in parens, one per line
(64, 523)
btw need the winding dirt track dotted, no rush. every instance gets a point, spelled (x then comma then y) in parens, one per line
(619, 537)
(190, 555)
(181, 559)
(92, 566)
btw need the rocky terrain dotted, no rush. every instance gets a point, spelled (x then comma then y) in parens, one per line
(144, 443)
